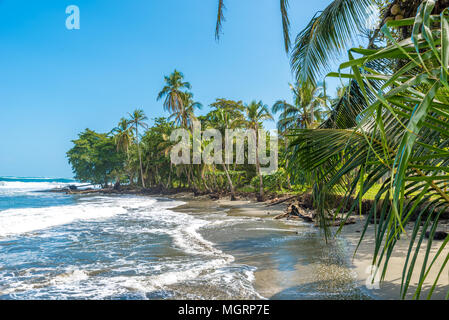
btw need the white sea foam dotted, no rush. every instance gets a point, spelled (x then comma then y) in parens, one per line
(29, 186)
(19, 221)
(24, 220)
(71, 277)
(202, 260)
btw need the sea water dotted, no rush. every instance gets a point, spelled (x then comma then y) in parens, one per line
(58, 246)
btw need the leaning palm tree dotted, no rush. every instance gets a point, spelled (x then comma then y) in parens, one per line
(256, 113)
(399, 141)
(137, 119)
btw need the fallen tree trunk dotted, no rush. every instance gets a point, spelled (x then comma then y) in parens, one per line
(295, 211)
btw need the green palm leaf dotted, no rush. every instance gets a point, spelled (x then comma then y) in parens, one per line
(399, 139)
(284, 5)
(326, 36)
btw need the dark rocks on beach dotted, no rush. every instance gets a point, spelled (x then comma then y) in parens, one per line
(67, 189)
(439, 235)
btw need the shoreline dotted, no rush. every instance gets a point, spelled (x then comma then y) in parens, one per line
(360, 263)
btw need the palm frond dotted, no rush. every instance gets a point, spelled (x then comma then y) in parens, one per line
(220, 19)
(326, 36)
(398, 139)
(285, 24)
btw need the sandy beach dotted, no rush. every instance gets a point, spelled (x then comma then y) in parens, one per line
(270, 281)
(390, 287)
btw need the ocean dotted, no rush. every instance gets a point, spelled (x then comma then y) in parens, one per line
(58, 246)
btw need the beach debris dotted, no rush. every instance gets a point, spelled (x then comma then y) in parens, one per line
(297, 212)
(305, 214)
(276, 201)
(214, 196)
(87, 191)
(281, 216)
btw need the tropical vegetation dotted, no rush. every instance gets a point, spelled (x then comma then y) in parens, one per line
(387, 129)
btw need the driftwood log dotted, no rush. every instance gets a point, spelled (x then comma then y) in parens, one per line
(296, 212)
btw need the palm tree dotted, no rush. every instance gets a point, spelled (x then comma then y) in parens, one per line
(185, 116)
(399, 142)
(306, 111)
(332, 30)
(256, 113)
(226, 114)
(123, 139)
(180, 104)
(122, 136)
(329, 33)
(175, 97)
(137, 119)
(284, 14)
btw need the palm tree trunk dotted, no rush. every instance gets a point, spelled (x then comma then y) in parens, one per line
(169, 177)
(140, 157)
(203, 178)
(261, 196)
(286, 162)
(231, 186)
(187, 172)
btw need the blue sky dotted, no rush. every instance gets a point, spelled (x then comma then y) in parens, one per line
(56, 82)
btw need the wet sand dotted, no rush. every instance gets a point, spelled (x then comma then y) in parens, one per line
(280, 284)
(291, 259)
